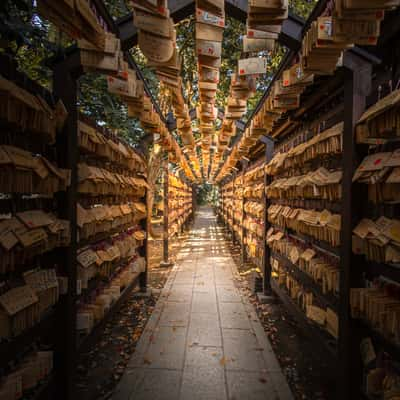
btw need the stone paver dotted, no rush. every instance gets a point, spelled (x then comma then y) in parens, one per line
(203, 341)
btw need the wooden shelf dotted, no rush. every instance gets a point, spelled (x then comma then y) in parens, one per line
(326, 300)
(378, 338)
(315, 204)
(391, 271)
(318, 336)
(17, 347)
(99, 237)
(85, 342)
(95, 282)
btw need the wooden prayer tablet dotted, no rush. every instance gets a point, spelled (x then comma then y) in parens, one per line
(206, 17)
(236, 103)
(209, 49)
(86, 12)
(358, 32)
(259, 34)
(183, 123)
(209, 61)
(157, 25)
(251, 66)
(296, 76)
(168, 80)
(321, 53)
(100, 62)
(350, 7)
(172, 65)
(273, 31)
(209, 32)
(281, 91)
(272, 6)
(156, 48)
(22, 110)
(214, 6)
(265, 17)
(155, 6)
(233, 115)
(121, 87)
(209, 86)
(208, 74)
(75, 19)
(255, 45)
(112, 45)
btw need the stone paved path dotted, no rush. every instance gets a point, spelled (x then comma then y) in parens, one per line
(204, 340)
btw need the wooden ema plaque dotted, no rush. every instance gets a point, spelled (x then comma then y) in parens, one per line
(156, 48)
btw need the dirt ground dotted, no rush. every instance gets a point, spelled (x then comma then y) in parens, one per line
(101, 368)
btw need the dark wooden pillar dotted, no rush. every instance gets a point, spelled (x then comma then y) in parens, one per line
(266, 261)
(66, 75)
(233, 188)
(166, 262)
(143, 251)
(245, 164)
(357, 85)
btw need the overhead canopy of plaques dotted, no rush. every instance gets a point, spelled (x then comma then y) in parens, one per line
(156, 37)
(207, 138)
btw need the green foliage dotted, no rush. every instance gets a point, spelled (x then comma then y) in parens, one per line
(185, 40)
(106, 108)
(26, 37)
(206, 194)
(302, 8)
(231, 52)
(151, 78)
(117, 8)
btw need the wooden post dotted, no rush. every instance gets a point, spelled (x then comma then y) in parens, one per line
(266, 262)
(193, 202)
(357, 85)
(66, 74)
(243, 260)
(144, 146)
(166, 262)
(144, 250)
(231, 226)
